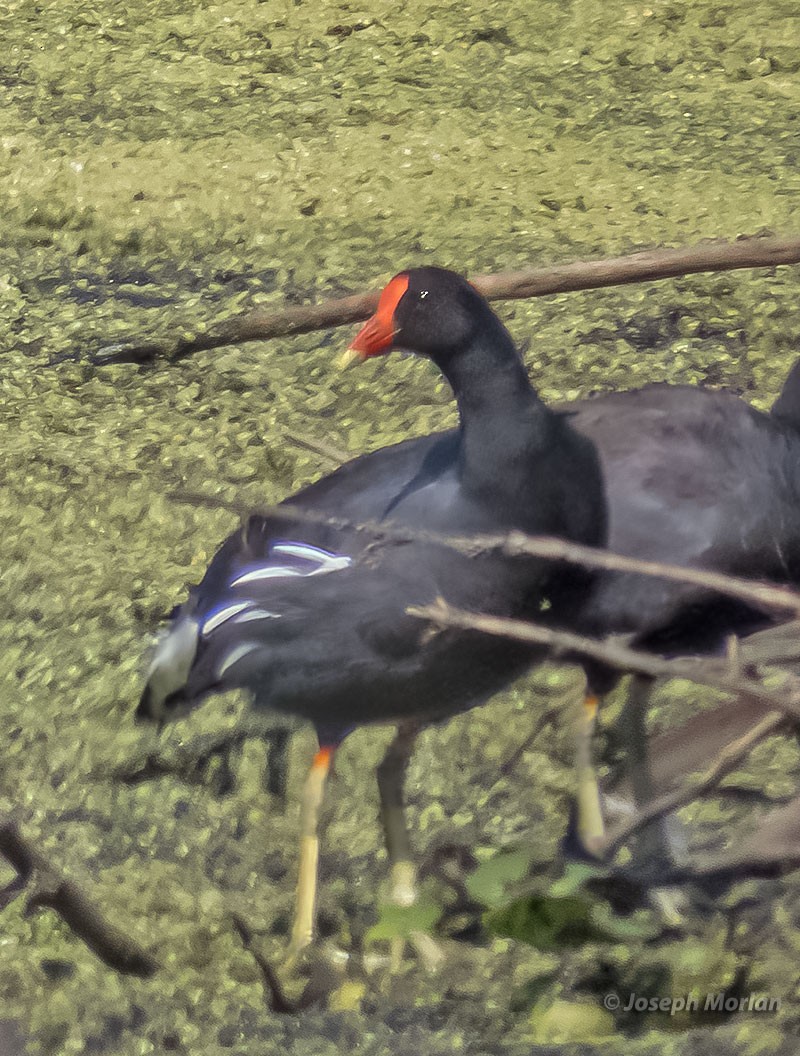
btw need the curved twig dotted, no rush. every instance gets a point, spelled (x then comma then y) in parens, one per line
(53, 891)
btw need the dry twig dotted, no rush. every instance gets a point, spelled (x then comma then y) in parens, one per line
(714, 672)
(647, 266)
(785, 699)
(726, 762)
(517, 544)
(53, 891)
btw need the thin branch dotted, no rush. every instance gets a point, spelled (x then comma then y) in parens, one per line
(710, 672)
(53, 891)
(651, 265)
(648, 266)
(330, 452)
(785, 701)
(278, 999)
(727, 761)
(324, 975)
(517, 544)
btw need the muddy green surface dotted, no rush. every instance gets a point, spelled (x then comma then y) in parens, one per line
(166, 165)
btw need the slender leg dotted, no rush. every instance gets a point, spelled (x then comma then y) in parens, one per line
(306, 897)
(391, 780)
(652, 845)
(590, 814)
(633, 723)
(403, 877)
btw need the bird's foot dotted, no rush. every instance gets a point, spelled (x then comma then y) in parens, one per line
(403, 887)
(403, 902)
(671, 904)
(295, 953)
(310, 975)
(423, 947)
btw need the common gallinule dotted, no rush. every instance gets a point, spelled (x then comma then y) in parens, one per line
(311, 618)
(696, 478)
(692, 477)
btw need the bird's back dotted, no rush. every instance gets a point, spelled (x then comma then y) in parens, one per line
(695, 478)
(328, 637)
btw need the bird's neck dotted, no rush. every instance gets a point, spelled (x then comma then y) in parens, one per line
(504, 424)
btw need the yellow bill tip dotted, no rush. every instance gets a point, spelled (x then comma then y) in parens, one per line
(347, 358)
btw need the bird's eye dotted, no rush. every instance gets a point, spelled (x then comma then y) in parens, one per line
(423, 294)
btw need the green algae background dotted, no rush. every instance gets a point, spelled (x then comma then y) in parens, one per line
(163, 165)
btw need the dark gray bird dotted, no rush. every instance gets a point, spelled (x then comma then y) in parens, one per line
(312, 619)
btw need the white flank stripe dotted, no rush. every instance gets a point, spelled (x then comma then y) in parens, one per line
(257, 614)
(326, 561)
(303, 550)
(255, 575)
(234, 656)
(333, 564)
(218, 618)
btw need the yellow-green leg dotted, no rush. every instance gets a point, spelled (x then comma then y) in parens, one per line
(403, 872)
(391, 783)
(307, 880)
(591, 828)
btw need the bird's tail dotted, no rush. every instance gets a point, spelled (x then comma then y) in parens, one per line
(169, 669)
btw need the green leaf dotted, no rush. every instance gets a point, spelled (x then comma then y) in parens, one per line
(552, 922)
(546, 923)
(574, 878)
(398, 922)
(490, 881)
